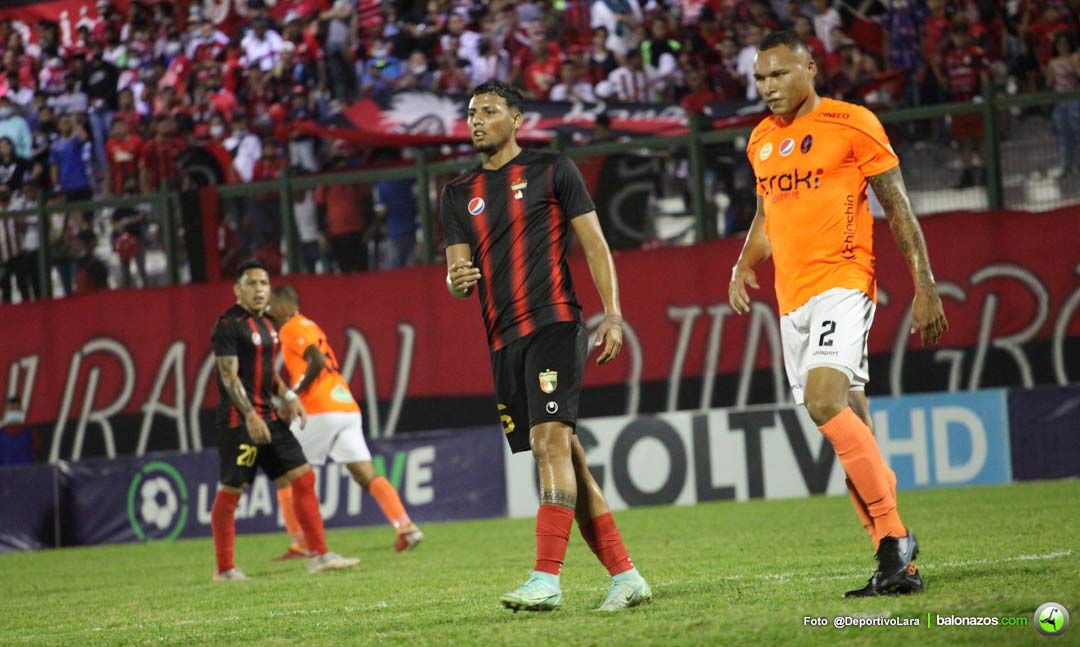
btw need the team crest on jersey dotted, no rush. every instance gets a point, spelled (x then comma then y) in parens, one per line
(807, 142)
(766, 150)
(549, 381)
(256, 339)
(787, 147)
(519, 188)
(476, 206)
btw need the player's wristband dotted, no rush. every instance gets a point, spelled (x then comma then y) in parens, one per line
(290, 395)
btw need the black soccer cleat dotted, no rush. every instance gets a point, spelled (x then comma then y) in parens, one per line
(913, 583)
(894, 559)
(896, 572)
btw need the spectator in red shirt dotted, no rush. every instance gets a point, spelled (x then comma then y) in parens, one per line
(698, 95)
(537, 41)
(1037, 31)
(122, 151)
(159, 158)
(452, 76)
(935, 30)
(962, 71)
(221, 98)
(833, 61)
(541, 73)
(127, 113)
(266, 208)
(347, 209)
(804, 27)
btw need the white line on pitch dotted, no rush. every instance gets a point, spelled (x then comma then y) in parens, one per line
(847, 572)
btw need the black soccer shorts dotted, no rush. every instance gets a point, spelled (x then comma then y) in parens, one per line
(240, 457)
(538, 379)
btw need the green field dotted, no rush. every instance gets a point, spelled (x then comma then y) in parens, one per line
(722, 574)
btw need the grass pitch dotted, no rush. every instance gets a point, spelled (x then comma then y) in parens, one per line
(722, 574)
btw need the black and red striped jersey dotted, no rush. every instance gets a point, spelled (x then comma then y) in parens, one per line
(516, 220)
(253, 340)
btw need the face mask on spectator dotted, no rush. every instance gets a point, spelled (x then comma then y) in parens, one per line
(216, 130)
(13, 418)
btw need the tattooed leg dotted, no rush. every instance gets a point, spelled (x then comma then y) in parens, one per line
(555, 497)
(551, 449)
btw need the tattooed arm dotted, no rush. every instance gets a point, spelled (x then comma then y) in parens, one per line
(927, 315)
(229, 368)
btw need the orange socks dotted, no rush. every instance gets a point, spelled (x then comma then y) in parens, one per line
(288, 514)
(867, 472)
(389, 502)
(864, 514)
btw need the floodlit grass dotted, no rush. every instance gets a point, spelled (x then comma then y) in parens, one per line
(722, 574)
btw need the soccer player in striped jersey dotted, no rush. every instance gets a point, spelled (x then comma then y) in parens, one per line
(251, 434)
(507, 224)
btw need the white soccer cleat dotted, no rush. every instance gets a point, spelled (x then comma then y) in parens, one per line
(330, 562)
(231, 575)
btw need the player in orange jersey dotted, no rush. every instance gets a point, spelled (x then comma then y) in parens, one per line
(813, 159)
(334, 429)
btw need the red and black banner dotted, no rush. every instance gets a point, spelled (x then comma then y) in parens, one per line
(132, 370)
(422, 118)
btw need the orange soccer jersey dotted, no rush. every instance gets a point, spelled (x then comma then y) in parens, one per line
(811, 175)
(330, 392)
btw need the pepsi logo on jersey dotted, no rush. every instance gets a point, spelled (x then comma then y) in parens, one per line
(476, 206)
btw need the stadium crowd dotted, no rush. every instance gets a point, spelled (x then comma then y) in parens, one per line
(112, 105)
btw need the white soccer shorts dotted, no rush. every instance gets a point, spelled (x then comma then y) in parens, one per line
(337, 435)
(830, 330)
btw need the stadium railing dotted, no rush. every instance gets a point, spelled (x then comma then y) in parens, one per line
(696, 186)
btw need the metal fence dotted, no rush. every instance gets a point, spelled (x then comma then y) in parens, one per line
(649, 191)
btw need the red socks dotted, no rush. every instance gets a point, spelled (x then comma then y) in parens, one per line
(553, 523)
(222, 523)
(602, 536)
(306, 506)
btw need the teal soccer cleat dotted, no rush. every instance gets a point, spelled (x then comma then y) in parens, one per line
(536, 594)
(626, 592)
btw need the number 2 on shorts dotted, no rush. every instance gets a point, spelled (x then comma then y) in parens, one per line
(826, 337)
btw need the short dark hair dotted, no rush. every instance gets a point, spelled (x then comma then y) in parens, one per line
(788, 38)
(512, 95)
(14, 400)
(249, 265)
(286, 293)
